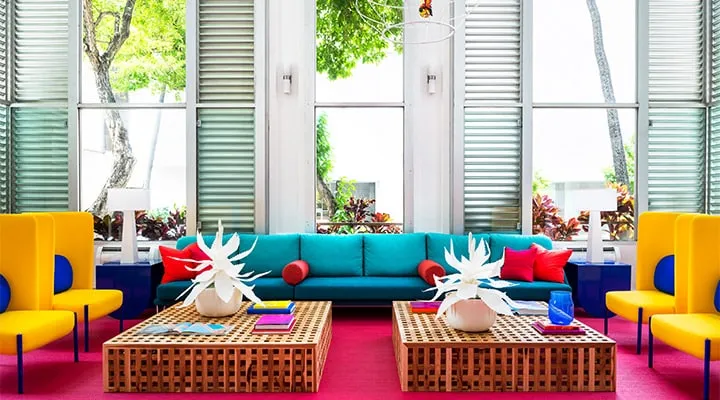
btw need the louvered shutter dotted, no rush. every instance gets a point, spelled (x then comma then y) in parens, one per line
(676, 152)
(4, 162)
(3, 50)
(714, 145)
(492, 162)
(39, 139)
(226, 134)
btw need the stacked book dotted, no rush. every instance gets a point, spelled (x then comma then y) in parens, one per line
(272, 307)
(424, 307)
(521, 307)
(274, 324)
(546, 328)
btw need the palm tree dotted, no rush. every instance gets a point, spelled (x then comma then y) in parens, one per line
(616, 141)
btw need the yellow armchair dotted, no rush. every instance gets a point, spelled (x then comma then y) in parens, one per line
(74, 239)
(659, 234)
(28, 322)
(696, 332)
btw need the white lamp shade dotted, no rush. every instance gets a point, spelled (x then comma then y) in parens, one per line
(121, 199)
(595, 200)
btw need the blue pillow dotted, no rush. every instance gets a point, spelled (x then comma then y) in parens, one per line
(664, 278)
(63, 274)
(4, 294)
(717, 297)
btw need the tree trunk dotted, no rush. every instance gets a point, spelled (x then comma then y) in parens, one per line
(326, 195)
(616, 141)
(123, 158)
(153, 141)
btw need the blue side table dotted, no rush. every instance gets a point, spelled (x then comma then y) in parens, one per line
(593, 280)
(138, 283)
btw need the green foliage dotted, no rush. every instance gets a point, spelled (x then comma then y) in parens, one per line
(343, 193)
(539, 183)
(323, 149)
(609, 172)
(153, 56)
(345, 38)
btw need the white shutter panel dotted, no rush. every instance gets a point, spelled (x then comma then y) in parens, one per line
(492, 161)
(677, 135)
(226, 134)
(40, 43)
(3, 50)
(226, 65)
(4, 162)
(714, 145)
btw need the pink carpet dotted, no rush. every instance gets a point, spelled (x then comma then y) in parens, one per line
(360, 366)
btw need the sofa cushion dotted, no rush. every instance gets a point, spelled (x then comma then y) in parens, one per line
(393, 255)
(265, 288)
(63, 274)
(332, 255)
(498, 242)
(272, 252)
(518, 264)
(537, 290)
(363, 288)
(550, 264)
(295, 272)
(664, 277)
(438, 242)
(429, 269)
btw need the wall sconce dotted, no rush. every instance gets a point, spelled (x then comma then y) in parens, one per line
(431, 81)
(287, 79)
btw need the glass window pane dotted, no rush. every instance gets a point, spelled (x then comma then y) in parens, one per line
(572, 152)
(360, 170)
(156, 141)
(355, 63)
(579, 49)
(148, 67)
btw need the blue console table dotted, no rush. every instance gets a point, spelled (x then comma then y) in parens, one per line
(590, 282)
(138, 283)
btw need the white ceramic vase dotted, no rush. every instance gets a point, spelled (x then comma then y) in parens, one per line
(209, 304)
(470, 315)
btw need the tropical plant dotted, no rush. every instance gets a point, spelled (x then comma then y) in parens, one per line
(547, 220)
(162, 224)
(475, 279)
(609, 172)
(222, 271)
(621, 223)
(383, 218)
(324, 164)
(539, 182)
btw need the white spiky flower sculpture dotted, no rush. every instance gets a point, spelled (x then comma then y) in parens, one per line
(473, 273)
(223, 274)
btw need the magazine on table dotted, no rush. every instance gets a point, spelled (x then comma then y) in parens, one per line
(185, 328)
(522, 307)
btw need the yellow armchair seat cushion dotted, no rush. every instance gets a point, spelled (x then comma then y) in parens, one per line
(101, 302)
(38, 328)
(687, 332)
(626, 303)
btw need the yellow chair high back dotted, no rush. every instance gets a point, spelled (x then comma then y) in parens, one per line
(704, 273)
(683, 250)
(46, 258)
(655, 240)
(74, 239)
(19, 261)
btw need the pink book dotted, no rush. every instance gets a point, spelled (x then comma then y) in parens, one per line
(275, 319)
(425, 304)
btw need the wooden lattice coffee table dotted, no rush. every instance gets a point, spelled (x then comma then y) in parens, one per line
(512, 356)
(236, 362)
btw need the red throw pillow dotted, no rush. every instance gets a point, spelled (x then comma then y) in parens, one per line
(428, 269)
(550, 264)
(295, 272)
(519, 264)
(175, 269)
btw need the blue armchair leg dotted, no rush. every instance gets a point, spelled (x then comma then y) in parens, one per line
(706, 380)
(650, 343)
(605, 323)
(87, 329)
(20, 363)
(75, 339)
(639, 331)
(121, 324)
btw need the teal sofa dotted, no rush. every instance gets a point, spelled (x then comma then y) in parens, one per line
(363, 268)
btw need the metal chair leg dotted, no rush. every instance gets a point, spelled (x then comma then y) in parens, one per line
(87, 328)
(121, 324)
(706, 379)
(605, 322)
(75, 339)
(639, 331)
(19, 343)
(650, 343)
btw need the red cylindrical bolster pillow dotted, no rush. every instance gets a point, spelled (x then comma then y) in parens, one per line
(427, 269)
(295, 272)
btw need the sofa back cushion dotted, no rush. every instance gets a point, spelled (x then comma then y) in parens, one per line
(393, 255)
(498, 243)
(438, 242)
(272, 252)
(332, 255)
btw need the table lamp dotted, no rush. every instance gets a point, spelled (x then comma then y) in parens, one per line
(128, 200)
(594, 201)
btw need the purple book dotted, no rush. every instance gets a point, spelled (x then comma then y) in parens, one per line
(275, 319)
(425, 304)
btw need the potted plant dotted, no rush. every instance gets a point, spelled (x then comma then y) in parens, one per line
(472, 300)
(218, 290)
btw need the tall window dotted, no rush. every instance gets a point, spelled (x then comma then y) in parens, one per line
(584, 113)
(359, 113)
(492, 117)
(4, 111)
(132, 117)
